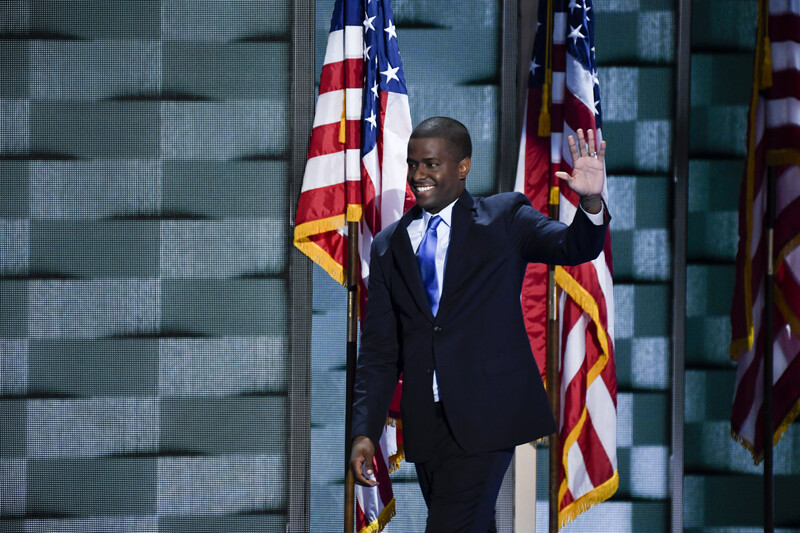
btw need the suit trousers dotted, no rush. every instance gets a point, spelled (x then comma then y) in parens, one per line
(459, 487)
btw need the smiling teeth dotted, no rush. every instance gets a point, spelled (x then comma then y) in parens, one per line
(425, 189)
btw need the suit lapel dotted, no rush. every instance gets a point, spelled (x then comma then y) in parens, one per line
(407, 264)
(461, 223)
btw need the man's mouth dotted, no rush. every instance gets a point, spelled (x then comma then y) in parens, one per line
(423, 188)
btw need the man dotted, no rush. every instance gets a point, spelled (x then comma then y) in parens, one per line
(444, 310)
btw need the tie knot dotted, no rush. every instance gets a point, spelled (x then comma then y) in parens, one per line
(433, 222)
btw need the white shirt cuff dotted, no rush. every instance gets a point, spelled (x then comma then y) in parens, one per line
(596, 218)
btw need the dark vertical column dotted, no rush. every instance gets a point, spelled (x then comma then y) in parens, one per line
(680, 176)
(509, 126)
(300, 286)
(528, 11)
(507, 151)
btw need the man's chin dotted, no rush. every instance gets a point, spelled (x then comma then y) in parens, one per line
(424, 202)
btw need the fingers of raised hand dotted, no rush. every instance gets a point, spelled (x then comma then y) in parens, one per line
(601, 151)
(586, 146)
(590, 145)
(582, 151)
(573, 148)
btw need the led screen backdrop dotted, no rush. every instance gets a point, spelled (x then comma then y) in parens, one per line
(144, 216)
(149, 301)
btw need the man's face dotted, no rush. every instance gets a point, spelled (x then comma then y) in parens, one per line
(436, 178)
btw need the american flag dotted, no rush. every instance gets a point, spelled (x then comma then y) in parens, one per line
(774, 140)
(556, 109)
(356, 171)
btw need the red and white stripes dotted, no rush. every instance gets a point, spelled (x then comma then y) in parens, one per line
(773, 139)
(356, 172)
(588, 416)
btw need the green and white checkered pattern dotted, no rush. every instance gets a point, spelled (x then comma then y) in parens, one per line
(143, 272)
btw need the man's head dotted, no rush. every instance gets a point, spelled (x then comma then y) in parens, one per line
(439, 159)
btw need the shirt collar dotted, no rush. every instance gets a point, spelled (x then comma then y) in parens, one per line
(446, 214)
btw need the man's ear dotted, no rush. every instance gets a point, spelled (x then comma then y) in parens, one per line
(463, 167)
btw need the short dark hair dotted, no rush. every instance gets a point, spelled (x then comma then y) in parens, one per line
(454, 132)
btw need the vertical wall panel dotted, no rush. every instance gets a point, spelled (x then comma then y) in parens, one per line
(144, 332)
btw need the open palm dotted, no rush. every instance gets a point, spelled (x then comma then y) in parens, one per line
(588, 165)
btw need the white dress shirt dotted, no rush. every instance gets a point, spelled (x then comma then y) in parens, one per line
(416, 231)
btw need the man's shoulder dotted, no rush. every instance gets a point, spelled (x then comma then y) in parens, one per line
(383, 239)
(504, 198)
(387, 232)
(502, 203)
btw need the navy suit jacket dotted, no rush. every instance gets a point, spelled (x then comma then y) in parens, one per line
(489, 384)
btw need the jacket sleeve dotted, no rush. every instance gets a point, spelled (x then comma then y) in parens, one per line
(543, 240)
(378, 367)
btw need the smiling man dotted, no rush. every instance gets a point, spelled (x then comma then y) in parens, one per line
(444, 310)
(438, 166)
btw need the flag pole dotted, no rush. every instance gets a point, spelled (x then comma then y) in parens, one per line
(769, 299)
(764, 80)
(553, 385)
(553, 389)
(553, 347)
(352, 348)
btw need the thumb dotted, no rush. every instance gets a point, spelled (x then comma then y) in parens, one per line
(369, 463)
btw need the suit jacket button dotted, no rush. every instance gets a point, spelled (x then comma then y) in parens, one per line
(437, 329)
(429, 371)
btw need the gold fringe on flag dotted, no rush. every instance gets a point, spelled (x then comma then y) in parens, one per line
(302, 240)
(588, 500)
(397, 458)
(761, 80)
(586, 301)
(601, 493)
(379, 523)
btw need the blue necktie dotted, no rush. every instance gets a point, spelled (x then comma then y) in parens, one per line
(427, 263)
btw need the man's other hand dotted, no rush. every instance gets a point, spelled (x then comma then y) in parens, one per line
(361, 459)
